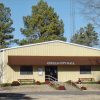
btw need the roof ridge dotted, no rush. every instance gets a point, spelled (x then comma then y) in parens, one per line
(50, 42)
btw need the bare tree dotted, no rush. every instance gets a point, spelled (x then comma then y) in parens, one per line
(91, 10)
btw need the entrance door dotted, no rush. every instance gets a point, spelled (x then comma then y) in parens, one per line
(51, 73)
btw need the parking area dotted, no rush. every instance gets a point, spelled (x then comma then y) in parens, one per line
(45, 92)
(57, 95)
(28, 88)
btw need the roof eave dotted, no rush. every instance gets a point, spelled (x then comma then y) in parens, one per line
(50, 42)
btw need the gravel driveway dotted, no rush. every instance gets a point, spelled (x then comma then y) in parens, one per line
(44, 92)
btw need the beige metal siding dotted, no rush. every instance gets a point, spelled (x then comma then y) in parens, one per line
(66, 73)
(50, 49)
(96, 73)
(13, 74)
(1, 65)
(54, 49)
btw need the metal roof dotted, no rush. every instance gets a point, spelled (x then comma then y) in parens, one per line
(55, 41)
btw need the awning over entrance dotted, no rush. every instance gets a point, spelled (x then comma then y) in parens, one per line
(52, 60)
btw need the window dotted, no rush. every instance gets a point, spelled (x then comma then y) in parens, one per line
(85, 69)
(26, 70)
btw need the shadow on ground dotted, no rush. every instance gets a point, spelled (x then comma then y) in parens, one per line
(69, 93)
(15, 96)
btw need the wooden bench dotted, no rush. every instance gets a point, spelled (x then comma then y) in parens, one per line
(86, 79)
(26, 80)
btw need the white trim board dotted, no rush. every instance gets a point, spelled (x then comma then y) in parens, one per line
(55, 41)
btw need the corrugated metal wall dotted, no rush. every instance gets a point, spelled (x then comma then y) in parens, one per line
(54, 49)
(51, 49)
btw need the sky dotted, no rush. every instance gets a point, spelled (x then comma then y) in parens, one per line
(20, 8)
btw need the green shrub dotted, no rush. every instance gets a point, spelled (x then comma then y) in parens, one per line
(38, 83)
(5, 84)
(83, 88)
(43, 82)
(15, 83)
(89, 82)
(98, 82)
(26, 83)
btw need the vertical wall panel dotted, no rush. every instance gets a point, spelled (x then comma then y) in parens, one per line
(50, 49)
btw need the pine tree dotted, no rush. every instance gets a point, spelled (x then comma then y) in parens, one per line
(86, 36)
(5, 26)
(42, 25)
